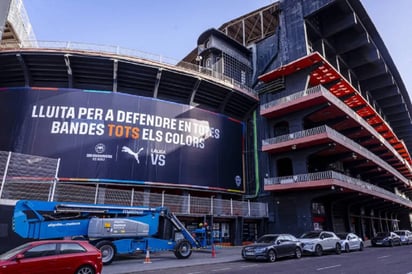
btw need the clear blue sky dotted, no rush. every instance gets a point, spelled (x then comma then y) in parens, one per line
(171, 28)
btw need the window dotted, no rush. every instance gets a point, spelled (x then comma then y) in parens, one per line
(69, 248)
(243, 77)
(326, 235)
(281, 128)
(318, 208)
(281, 239)
(208, 63)
(284, 167)
(41, 251)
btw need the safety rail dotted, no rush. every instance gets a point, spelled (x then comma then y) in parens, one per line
(95, 194)
(131, 53)
(330, 174)
(28, 177)
(342, 106)
(343, 140)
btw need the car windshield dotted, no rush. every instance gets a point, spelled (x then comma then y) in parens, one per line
(311, 235)
(266, 239)
(400, 233)
(342, 236)
(7, 255)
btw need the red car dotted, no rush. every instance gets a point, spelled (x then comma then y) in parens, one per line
(52, 256)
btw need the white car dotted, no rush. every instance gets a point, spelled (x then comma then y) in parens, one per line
(350, 242)
(406, 236)
(316, 242)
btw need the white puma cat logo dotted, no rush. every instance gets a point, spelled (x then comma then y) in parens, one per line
(131, 152)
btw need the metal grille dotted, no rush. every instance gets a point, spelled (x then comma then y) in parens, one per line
(35, 178)
(27, 176)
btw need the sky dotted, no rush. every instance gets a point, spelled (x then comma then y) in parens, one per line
(171, 28)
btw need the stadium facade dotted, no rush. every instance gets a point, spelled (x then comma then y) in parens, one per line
(290, 118)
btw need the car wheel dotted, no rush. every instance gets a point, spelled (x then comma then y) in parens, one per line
(318, 250)
(271, 256)
(361, 247)
(338, 249)
(108, 251)
(347, 248)
(85, 269)
(298, 253)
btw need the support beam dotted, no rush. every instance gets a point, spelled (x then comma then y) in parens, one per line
(69, 71)
(157, 83)
(346, 44)
(382, 81)
(27, 78)
(336, 25)
(115, 67)
(224, 102)
(194, 90)
(361, 57)
(383, 93)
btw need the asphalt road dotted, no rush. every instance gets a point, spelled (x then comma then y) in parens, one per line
(379, 260)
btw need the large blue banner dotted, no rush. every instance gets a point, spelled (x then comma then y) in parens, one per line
(124, 138)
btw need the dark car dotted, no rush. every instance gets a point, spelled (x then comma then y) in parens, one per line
(272, 246)
(52, 256)
(386, 239)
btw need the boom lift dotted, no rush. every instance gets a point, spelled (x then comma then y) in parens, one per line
(115, 230)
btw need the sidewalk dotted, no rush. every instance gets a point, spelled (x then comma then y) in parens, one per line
(164, 260)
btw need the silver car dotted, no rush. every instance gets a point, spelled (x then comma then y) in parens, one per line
(406, 236)
(350, 242)
(316, 242)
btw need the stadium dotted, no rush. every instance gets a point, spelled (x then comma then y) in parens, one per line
(292, 117)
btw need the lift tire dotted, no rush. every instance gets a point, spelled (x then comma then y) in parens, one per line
(183, 249)
(108, 251)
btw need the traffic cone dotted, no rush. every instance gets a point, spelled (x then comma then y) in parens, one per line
(213, 251)
(147, 259)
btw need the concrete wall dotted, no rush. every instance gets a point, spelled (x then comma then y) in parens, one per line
(4, 11)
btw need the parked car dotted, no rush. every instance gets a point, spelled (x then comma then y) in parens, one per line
(350, 241)
(406, 236)
(270, 247)
(52, 256)
(386, 239)
(316, 242)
